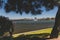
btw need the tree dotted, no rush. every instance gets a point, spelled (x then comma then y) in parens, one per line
(1, 3)
(52, 18)
(47, 18)
(6, 25)
(34, 6)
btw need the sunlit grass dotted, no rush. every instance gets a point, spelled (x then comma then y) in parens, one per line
(47, 30)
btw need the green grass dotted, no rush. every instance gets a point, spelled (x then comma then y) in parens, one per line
(47, 30)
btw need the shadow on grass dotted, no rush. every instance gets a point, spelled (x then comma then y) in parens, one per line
(28, 37)
(6, 38)
(33, 37)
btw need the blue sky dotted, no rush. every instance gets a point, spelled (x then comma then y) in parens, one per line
(13, 15)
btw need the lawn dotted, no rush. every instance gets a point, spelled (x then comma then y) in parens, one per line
(42, 34)
(47, 30)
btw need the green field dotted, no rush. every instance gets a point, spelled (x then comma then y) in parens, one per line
(41, 30)
(20, 28)
(36, 34)
(47, 30)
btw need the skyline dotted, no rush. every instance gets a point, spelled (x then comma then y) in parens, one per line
(13, 15)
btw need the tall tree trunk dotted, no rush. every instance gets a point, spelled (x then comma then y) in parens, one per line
(55, 30)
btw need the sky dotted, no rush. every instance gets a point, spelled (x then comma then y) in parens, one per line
(45, 14)
(13, 15)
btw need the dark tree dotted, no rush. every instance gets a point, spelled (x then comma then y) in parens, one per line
(6, 25)
(1, 2)
(34, 6)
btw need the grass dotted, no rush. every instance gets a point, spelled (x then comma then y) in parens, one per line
(36, 35)
(47, 30)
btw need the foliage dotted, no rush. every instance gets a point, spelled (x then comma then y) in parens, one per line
(5, 25)
(1, 2)
(33, 6)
